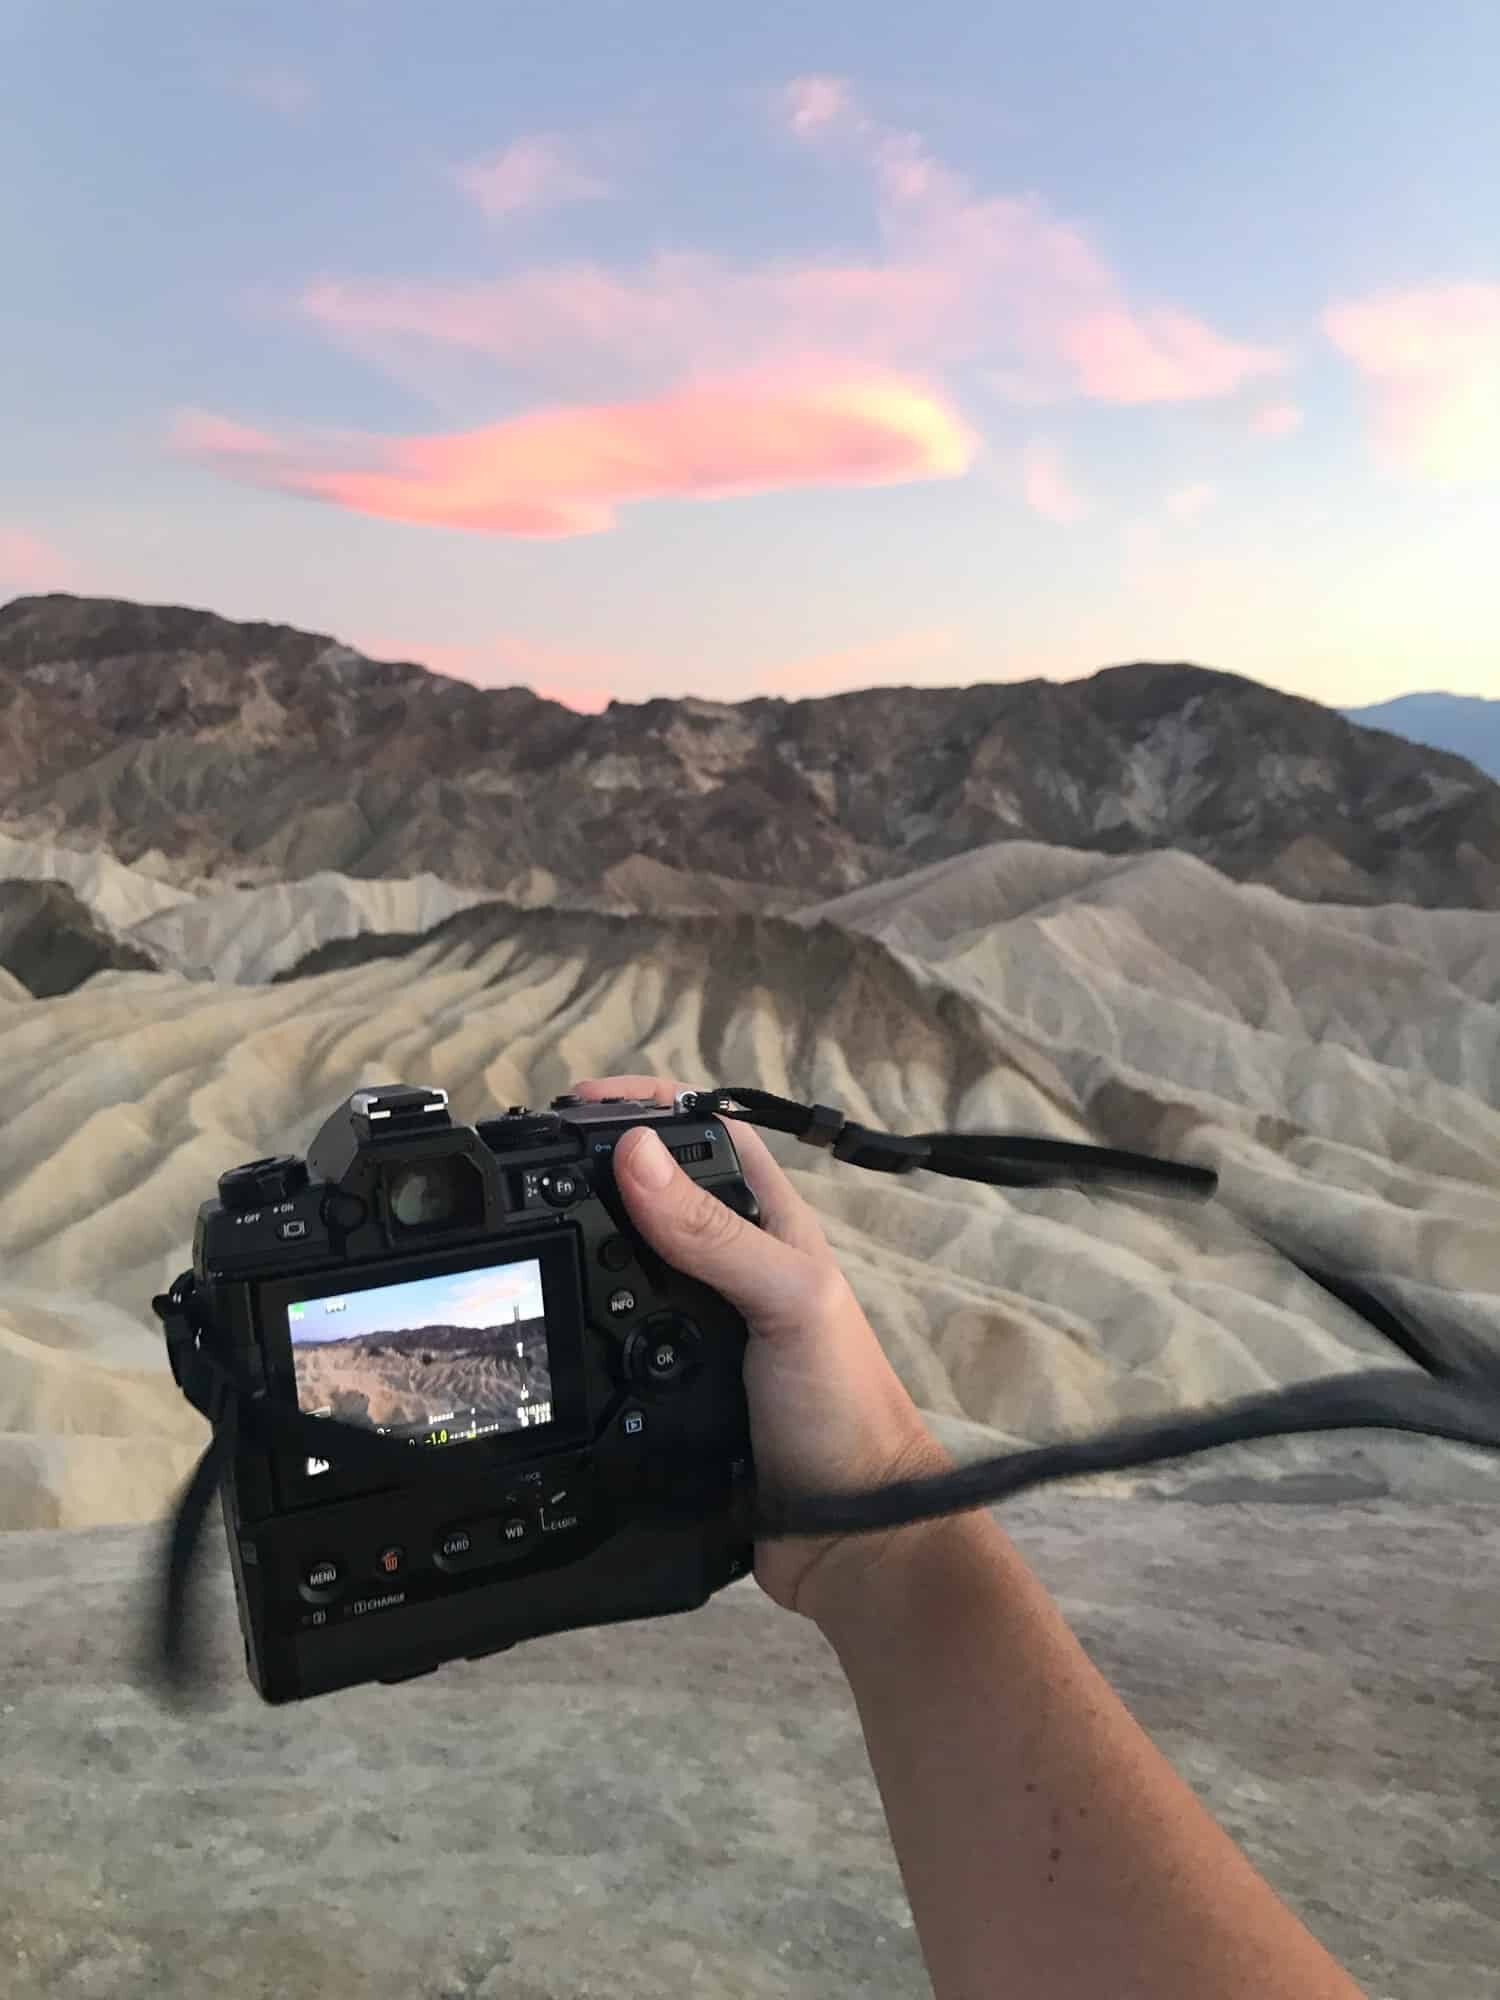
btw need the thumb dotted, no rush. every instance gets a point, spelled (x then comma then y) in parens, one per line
(767, 1280)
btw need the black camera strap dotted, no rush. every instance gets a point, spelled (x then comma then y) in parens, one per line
(1455, 1396)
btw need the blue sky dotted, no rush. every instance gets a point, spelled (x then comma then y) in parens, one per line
(643, 350)
(484, 1298)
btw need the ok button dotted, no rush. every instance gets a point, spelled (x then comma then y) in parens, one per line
(664, 1353)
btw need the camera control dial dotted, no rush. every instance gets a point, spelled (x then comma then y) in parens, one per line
(263, 1183)
(519, 1128)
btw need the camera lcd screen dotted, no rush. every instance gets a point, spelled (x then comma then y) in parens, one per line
(437, 1360)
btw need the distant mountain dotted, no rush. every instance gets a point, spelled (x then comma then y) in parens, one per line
(1466, 724)
(253, 753)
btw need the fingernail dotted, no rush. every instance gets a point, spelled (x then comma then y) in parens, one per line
(650, 1162)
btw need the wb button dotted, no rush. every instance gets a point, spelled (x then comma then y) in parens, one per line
(516, 1536)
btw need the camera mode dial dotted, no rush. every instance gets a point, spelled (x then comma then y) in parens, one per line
(263, 1183)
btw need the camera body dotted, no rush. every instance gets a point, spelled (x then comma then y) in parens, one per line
(478, 1292)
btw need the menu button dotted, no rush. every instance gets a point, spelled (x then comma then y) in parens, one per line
(320, 1579)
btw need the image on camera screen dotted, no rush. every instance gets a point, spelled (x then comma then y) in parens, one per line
(437, 1360)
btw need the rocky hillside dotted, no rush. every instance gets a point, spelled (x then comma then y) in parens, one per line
(51, 942)
(249, 753)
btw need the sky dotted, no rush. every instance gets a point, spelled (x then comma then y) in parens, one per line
(484, 1298)
(634, 350)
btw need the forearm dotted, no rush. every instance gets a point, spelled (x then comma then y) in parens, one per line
(1048, 1849)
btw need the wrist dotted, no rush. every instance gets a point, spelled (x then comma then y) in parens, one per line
(919, 1579)
(873, 1583)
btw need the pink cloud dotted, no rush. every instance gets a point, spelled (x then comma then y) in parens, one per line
(541, 171)
(1186, 503)
(999, 282)
(1276, 420)
(681, 313)
(563, 471)
(218, 437)
(1431, 360)
(1074, 311)
(1159, 357)
(1045, 484)
(29, 563)
(814, 103)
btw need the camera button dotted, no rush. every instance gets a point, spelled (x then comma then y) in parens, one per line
(615, 1252)
(517, 1535)
(739, 1196)
(664, 1353)
(342, 1211)
(321, 1579)
(562, 1187)
(457, 1548)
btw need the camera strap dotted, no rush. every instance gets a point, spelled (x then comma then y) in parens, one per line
(1456, 1395)
(1452, 1393)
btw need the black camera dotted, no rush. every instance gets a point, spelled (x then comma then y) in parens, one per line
(573, 1408)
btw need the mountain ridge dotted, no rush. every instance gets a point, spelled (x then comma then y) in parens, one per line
(1466, 724)
(251, 753)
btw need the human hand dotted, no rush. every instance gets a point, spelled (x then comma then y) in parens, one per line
(828, 1412)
